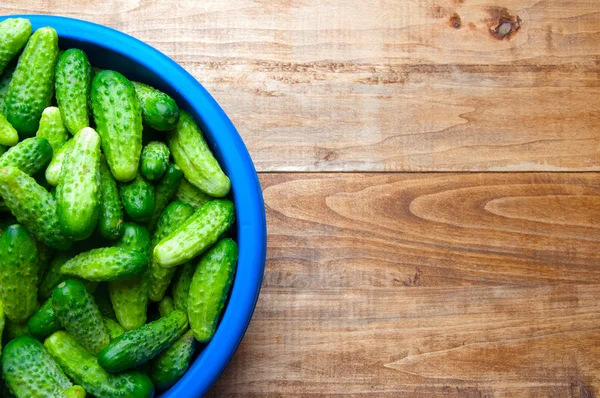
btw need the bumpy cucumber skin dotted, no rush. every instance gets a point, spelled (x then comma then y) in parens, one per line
(113, 328)
(4, 83)
(110, 222)
(2, 321)
(73, 85)
(55, 167)
(32, 84)
(197, 234)
(19, 273)
(170, 365)
(44, 321)
(8, 135)
(210, 288)
(192, 154)
(53, 129)
(78, 191)
(29, 155)
(83, 368)
(106, 264)
(181, 285)
(155, 159)
(138, 199)
(159, 111)
(135, 237)
(165, 306)
(53, 277)
(159, 277)
(138, 346)
(119, 122)
(31, 372)
(75, 308)
(14, 33)
(164, 192)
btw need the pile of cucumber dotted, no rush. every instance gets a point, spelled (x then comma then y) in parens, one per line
(114, 255)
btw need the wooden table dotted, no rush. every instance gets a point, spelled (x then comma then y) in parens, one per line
(430, 172)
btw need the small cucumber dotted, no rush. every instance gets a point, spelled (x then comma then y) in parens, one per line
(73, 84)
(32, 85)
(53, 277)
(110, 223)
(4, 83)
(165, 306)
(159, 111)
(197, 234)
(192, 154)
(155, 159)
(113, 328)
(102, 299)
(19, 273)
(8, 134)
(172, 217)
(210, 288)
(119, 122)
(136, 347)
(75, 308)
(106, 264)
(44, 321)
(83, 368)
(55, 167)
(78, 191)
(53, 129)
(164, 192)
(138, 199)
(30, 371)
(29, 155)
(135, 237)
(181, 285)
(14, 33)
(170, 365)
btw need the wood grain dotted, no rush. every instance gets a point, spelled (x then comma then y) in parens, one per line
(385, 85)
(423, 285)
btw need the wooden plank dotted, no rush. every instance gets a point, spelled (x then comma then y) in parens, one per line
(424, 285)
(385, 85)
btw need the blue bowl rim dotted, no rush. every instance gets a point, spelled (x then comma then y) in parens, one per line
(247, 193)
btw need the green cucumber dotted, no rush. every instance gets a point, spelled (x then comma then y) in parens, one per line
(73, 85)
(30, 371)
(155, 159)
(19, 273)
(2, 322)
(187, 193)
(32, 85)
(44, 321)
(210, 288)
(136, 347)
(106, 264)
(113, 328)
(55, 167)
(53, 277)
(83, 368)
(78, 191)
(8, 134)
(181, 285)
(45, 253)
(75, 392)
(192, 154)
(172, 217)
(159, 111)
(164, 192)
(110, 222)
(138, 199)
(102, 299)
(170, 365)
(29, 155)
(75, 308)
(53, 129)
(165, 306)
(135, 237)
(4, 83)
(197, 234)
(14, 33)
(119, 122)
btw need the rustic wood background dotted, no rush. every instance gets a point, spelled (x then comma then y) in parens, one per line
(400, 262)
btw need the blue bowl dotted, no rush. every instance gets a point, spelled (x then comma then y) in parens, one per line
(111, 49)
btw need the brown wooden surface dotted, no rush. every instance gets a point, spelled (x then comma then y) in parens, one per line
(406, 284)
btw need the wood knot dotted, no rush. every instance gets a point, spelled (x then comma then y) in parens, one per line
(503, 24)
(455, 21)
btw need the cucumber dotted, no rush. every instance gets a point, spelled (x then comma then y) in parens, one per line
(136, 347)
(210, 288)
(165, 306)
(29, 155)
(78, 191)
(44, 255)
(164, 192)
(75, 392)
(19, 272)
(32, 85)
(155, 159)
(30, 371)
(106, 264)
(4, 83)
(102, 299)
(138, 199)
(110, 222)
(53, 277)
(170, 365)
(73, 85)
(136, 238)
(14, 33)
(13, 330)
(159, 111)
(44, 321)
(181, 285)
(172, 217)
(75, 308)
(55, 167)
(187, 193)
(8, 134)
(113, 328)
(192, 154)
(53, 129)
(2, 322)
(119, 122)
(83, 368)
(197, 234)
